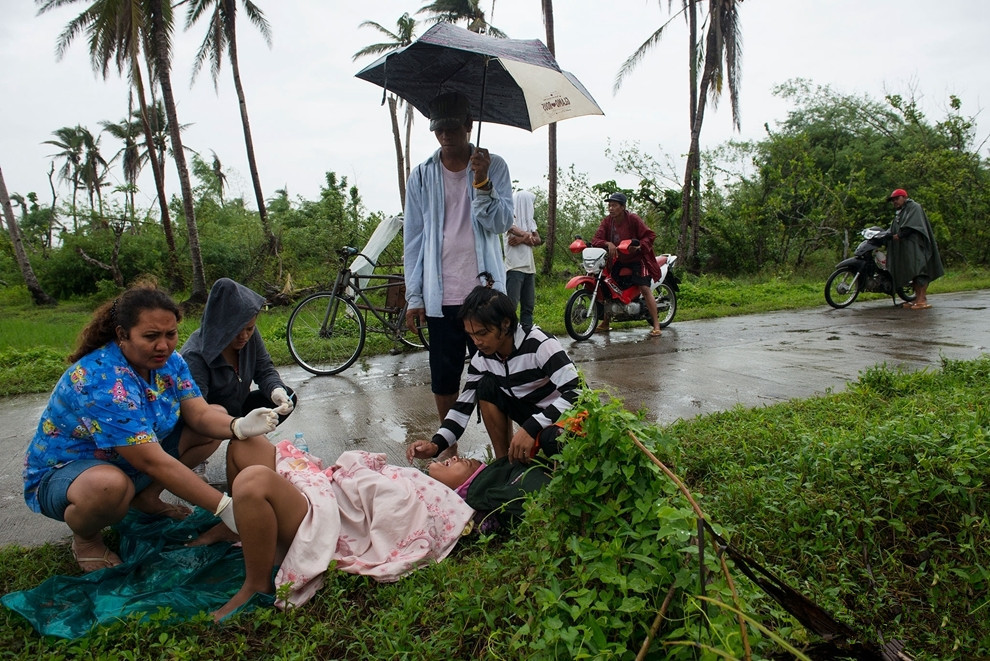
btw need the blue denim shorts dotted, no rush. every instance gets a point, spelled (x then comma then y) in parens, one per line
(54, 488)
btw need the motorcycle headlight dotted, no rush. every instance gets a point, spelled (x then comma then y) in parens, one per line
(590, 264)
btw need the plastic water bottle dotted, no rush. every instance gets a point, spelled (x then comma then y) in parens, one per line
(300, 442)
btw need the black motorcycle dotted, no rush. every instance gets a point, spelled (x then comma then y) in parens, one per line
(865, 271)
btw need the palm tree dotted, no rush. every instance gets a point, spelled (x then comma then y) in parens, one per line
(551, 241)
(118, 33)
(451, 11)
(127, 131)
(94, 170)
(721, 67)
(403, 36)
(38, 294)
(221, 35)
(71, 141)
(221, 176)
(160, 40)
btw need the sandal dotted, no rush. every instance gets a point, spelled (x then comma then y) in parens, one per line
(105, 561)
(920, 306)
(602, 327)
(655, 332)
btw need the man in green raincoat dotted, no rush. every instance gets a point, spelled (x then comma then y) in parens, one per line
(913, 251)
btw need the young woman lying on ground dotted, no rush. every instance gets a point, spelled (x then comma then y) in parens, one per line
(370, 517)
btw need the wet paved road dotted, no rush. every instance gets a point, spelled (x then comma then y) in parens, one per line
(697, 367)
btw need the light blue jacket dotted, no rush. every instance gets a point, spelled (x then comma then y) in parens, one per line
(422, 231)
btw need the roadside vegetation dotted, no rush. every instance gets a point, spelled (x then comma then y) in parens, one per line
(34, 341)
(871, 502)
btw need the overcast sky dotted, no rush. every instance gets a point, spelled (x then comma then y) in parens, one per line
(310, 115)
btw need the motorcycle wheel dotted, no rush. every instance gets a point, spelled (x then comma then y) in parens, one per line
(841, 288)
(907, 293)
(581, 315)
(666, 299)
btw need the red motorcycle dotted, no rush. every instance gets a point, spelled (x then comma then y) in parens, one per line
(598, 293)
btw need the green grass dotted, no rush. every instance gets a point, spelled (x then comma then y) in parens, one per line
(26, 329)
(872, 502)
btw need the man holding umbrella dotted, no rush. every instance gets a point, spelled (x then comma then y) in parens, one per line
(458, 203)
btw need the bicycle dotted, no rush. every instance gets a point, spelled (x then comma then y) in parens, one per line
(327, 330)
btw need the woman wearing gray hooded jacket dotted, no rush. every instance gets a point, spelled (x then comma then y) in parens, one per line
(226, 354)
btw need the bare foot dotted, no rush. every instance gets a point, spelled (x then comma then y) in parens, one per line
(155, 506)
(92, 554)
(216, 534)
(238, 600)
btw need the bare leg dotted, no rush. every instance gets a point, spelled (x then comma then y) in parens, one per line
(444, 404)
(651, 307)
(922, 294)
(97, 498)
(268, 509)
(251, 451)
(499, 428)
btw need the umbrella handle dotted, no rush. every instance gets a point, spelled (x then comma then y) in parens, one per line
(481, 106)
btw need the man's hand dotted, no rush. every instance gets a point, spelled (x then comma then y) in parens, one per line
(421, 450)
(480, 162)
(521, 447)
(415, 319)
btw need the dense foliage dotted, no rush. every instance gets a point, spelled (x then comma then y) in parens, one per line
(791, 201)
(801, 194)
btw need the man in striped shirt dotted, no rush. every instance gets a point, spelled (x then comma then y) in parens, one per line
(516, 375)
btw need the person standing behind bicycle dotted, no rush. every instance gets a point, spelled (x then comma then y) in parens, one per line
(458, 204)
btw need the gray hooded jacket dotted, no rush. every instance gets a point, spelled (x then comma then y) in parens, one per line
(228, 309)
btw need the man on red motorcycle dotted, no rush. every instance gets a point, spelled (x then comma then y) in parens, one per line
(638, 265)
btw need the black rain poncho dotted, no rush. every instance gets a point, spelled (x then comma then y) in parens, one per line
(916, 252)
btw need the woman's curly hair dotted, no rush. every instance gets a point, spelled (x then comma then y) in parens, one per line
(122, 312)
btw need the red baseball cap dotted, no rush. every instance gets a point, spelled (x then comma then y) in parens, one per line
(900, 192)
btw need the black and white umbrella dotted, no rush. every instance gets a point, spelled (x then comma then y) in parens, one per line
(515, 82)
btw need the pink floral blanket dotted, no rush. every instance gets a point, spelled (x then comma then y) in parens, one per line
(370, 517)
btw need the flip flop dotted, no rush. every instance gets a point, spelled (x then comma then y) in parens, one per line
(655, 333)
(920, 306)
(108, 559)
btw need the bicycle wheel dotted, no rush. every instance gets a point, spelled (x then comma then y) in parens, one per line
(408, 338)
(325, 333)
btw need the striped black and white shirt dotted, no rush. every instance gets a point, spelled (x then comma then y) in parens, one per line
(538, 371)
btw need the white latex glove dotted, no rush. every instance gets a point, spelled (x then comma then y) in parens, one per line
(257, 422)
(283, 405)
(225, 510)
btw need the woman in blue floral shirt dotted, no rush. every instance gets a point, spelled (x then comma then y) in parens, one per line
(127, 421)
